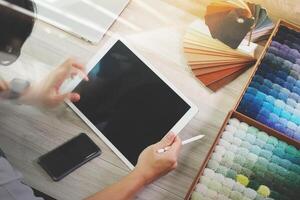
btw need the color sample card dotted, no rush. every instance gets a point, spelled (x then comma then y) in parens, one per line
(273, 96)
(261, 32)
(212, 62)
(230, 21)
(249, 164)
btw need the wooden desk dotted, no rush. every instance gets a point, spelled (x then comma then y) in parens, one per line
(156, 30)
(284, 9)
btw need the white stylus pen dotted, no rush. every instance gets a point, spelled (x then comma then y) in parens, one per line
(198, 137)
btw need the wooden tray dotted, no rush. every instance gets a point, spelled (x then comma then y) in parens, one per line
(244, 118)
(259, 60)
(249, 121)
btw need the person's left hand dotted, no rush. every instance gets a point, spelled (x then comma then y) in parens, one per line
(46, 92)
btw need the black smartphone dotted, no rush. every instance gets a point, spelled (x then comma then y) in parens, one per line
(69, 156)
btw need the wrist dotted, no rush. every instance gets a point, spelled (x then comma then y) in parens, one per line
(138, 175)
(29, 96)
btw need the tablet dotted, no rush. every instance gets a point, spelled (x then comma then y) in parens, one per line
(127, 102)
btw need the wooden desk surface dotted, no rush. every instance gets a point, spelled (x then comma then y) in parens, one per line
(154, 28)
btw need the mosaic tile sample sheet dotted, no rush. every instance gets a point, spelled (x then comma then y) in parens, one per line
(249, 164)
(273, 96)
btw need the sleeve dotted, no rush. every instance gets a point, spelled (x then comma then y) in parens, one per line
(11, 185)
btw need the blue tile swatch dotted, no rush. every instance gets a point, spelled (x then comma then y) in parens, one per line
(273, 96)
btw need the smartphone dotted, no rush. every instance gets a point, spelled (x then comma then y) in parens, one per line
(69, 156)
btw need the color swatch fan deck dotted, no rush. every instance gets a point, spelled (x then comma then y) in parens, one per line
(212, 62)
(231, 20)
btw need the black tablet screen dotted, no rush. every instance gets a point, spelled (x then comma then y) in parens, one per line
(128, 102)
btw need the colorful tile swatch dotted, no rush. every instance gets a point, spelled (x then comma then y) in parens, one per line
(248, 164)
(273, 96)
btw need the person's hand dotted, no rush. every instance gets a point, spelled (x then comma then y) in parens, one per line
(152, 165)
(46, 92)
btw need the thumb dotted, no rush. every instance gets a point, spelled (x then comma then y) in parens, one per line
(74, 97)
(57, 99)
(167, 140)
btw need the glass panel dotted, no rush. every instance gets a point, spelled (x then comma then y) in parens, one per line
(88, 19)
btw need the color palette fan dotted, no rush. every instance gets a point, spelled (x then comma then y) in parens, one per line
(230, 20)
(212, 62)
(262, 32)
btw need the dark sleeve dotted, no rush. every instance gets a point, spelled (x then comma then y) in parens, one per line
(11, 185)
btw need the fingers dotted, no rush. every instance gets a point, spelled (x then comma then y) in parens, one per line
(77, 67)
(74, 97)
(171, 155)
(173, 152)
(57, 99)
(78, 71)
(71, 62)
(60, 74)
(176, 146)
(49, 91)
(167, 140)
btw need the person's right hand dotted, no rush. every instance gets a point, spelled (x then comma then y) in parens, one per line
(152, 165)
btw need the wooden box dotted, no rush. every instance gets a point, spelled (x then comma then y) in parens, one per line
(244, 118)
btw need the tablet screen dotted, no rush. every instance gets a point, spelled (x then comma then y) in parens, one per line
(128, 102)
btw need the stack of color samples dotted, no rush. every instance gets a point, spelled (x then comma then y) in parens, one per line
(248, 164)
(252, 17)
(261, 33)
(273, 96)
(211, 61)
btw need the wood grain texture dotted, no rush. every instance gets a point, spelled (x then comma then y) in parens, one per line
(27, 132)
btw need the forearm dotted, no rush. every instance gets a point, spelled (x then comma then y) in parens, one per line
(3, 86)
(125, 189)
